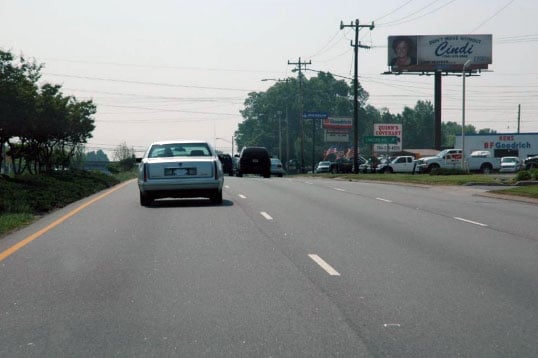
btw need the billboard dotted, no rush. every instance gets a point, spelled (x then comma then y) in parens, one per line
(391, 130)
(338, 123)
(430, 53)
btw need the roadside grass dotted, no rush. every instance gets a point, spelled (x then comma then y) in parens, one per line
(424, 179)
(24, 198)
(529, 191)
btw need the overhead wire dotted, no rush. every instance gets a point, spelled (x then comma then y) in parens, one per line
(389, 23)
(394, 23)
(492, 16)
(147, 83)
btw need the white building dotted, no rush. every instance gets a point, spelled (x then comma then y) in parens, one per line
(520, 145)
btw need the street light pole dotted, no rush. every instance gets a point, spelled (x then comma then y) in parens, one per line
(465, 65)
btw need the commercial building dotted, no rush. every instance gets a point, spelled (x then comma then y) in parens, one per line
(520, 145)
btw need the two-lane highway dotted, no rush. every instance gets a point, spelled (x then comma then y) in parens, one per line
(285, 267)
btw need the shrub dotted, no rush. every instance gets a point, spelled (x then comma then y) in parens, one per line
(523, 175)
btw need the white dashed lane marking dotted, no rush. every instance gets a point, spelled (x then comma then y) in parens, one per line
(324, 265)
(385, 200)
(242, 196)
(265, 215)
(470, 221)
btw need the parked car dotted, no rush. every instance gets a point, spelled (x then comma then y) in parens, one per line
(323, 167)
(254, 160)
(400, 164)
(179, 169)
(510, 165)
(277, 168)
(531, 162)
(227, 164)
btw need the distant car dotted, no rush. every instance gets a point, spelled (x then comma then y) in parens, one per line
(277, 168)
(179, 169)
(531, 162)
(510, 165)
(254, 160)
(227, 164)
(323, 167)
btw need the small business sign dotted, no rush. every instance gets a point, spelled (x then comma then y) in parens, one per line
(333, 136)
(388, 130)
(338, 123)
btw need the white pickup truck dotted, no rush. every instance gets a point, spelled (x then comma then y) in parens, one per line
(478, 161)
(401, 164)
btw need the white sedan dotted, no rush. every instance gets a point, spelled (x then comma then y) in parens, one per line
(323, 167)
(510, 165)
(179, 169)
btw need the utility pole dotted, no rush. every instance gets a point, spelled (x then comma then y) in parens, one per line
(299, 68)
(518, 117)
(356, 46)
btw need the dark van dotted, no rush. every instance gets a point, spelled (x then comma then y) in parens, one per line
(254, 160)
(227, 164)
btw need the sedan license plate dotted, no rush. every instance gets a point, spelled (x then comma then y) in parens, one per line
(254, 160)
(179, 171)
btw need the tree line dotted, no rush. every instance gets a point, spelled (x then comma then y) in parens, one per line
(273, 118)
(40, 128)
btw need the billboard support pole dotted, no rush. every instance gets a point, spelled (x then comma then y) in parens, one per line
(437, 120)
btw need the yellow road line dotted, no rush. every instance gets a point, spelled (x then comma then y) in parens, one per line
(10, 251)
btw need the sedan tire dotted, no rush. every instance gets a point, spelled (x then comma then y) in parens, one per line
(145, 199)
(216, 197)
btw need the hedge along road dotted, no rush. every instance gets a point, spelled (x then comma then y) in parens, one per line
(16, 247)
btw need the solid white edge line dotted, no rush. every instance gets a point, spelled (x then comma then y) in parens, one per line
(385, 200)
(324, 265)
(265, 215)
(470, 221)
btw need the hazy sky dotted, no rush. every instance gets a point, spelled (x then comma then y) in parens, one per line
(182, 69)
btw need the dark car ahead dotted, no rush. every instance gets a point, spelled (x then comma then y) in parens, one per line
(227, 164)
(531, 162)
(254, 160)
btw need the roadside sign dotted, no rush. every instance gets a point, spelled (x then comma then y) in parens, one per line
(378, 139)
(315, 115)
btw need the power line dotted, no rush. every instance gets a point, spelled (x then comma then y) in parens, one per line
(492, 16)
(393, 11)
(171, 110)
(149, 83)
(397, 21)
(166, 67)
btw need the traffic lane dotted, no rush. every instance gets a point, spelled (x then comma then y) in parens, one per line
(404, 283)
(511, 217)
(172, 279)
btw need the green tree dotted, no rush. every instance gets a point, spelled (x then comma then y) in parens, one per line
(18, 91)
(266, 114)
(42, 128)
(96, 156)
(125, 158)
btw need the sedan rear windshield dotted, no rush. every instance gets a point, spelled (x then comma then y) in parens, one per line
(179, 150)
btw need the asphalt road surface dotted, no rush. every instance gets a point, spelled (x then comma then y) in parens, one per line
(286, 267)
